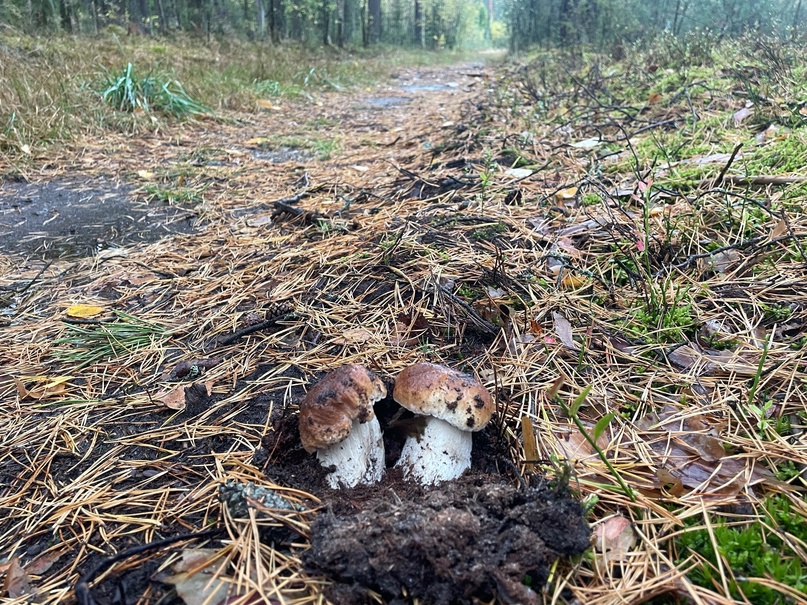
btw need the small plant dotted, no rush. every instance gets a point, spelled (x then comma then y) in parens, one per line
(126, 92)
(84, 345)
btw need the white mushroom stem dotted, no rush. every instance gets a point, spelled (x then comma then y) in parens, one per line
(358, 459)
(443, 452)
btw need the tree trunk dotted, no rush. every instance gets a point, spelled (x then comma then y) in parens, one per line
(296, 28)
(260, 19)
(326, 24)
(162, 20)
(340, 23)
(420, 32)
(374, 20)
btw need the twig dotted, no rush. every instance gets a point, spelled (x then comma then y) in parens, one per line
(728, 164)
(222, 342)
(82, 588)
(737, 179)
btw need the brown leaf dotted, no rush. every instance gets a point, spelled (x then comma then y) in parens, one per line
(16, 583)
(654, 98)
(43, 562)
(354, 336)
(173, 399)
(41, 387)
(708, 448)
(564, 331)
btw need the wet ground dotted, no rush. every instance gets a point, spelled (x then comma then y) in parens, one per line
(69, 218)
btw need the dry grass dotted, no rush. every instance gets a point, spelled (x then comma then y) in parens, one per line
(425, 254)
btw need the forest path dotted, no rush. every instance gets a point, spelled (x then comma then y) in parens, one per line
(130, 189)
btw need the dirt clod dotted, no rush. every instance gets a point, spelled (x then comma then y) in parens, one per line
(474, 538)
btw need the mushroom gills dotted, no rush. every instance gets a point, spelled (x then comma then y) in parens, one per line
(358, 459)
(442, 453)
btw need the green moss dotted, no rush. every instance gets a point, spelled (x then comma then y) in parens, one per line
(753, 550)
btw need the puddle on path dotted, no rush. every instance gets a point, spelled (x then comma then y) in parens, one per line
(384, 102)
(428, 87)
(282, 154)
(68, 218)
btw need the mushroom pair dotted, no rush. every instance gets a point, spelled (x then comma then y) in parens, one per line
(337, 421)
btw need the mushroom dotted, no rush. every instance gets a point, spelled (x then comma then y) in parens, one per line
(455, 405)
(338, 423)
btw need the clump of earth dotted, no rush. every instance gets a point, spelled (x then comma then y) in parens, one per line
(474, 538)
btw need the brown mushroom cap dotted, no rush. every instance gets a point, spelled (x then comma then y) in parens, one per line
(435, 390)
(330, 407)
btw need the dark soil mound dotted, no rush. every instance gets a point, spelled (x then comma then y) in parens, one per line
(476, 538)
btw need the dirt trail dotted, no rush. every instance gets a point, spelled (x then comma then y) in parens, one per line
(116, 192)
(257, 251)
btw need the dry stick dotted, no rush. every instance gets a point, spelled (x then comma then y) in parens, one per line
(82, 588)
(728, 164)
(252, 329)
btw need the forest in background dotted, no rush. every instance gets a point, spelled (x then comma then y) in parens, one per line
(432, 24)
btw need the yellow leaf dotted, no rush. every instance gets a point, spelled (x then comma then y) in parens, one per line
(257, 141)
(264, 104)
(571, 280)
(41, 387)
(566, 194)
(145, 175)
(84, 310)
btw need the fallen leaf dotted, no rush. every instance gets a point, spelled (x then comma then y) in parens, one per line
(260, 220)
(16, 583)
(26, 149)
(563, 329)
(83, 311)
(518, 173)
(43, 562)
(265, 104)
(614, 538)
(741, 115)
(354, 336)
(358, 168)
(195, 580)
(173, 399)
(41, 387)
(653, 98)
(566, 194)
(146, 175)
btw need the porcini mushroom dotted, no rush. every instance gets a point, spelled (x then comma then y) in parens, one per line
(338, 423)
(455, 405)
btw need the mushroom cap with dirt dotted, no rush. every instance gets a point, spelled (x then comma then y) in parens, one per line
(338, 423)
(455, 405)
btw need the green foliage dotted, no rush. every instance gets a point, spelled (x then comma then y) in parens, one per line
(84, 345)
(126, 92)
(760, 549)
